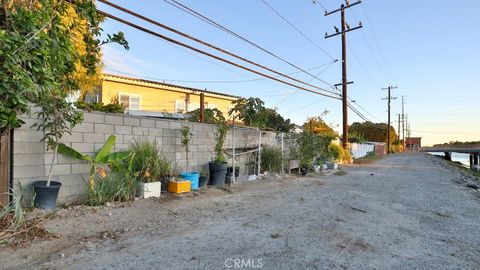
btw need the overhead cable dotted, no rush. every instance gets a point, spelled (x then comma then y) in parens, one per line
(156, 34)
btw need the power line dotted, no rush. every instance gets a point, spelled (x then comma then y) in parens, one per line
(206, 44)
(196, 14)
(376, 42)
(210, 81)
(209, 54)
(363, 109)
(375, 58)
(294, 92)
(297, 30)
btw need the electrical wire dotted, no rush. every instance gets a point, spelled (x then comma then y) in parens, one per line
(296, 91)
(375, 57)
(197, 15)
(376, 42)
(156, 34)
(297, 29)
(207, 44)
(211, 81)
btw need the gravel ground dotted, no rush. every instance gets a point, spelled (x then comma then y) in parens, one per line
(405, 211)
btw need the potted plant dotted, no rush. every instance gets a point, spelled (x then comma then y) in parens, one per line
(146, 166)
(335, 155)
(218, 167)
(237, 171)
(186, 137)
(166, 173)
(228, 176)
(59, 117)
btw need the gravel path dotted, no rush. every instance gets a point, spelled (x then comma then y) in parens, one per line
(406, 211)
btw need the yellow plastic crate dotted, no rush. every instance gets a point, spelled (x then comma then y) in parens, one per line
(179, 187)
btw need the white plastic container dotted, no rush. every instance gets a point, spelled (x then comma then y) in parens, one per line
(148, 190)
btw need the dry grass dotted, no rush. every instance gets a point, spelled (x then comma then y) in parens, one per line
(23, 235)
(367, 159)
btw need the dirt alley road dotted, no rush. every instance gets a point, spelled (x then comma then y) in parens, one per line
(402, 212)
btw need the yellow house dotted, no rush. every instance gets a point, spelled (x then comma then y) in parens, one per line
(152, 96)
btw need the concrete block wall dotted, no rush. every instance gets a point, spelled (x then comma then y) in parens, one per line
(32, 160)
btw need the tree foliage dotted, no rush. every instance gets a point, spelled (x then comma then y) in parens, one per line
(48, 49)
(375, 132)
(252, 112)
(211, 116)
(317, 125)
(307, 146)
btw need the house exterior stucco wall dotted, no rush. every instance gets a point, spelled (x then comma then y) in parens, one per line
(157, 97)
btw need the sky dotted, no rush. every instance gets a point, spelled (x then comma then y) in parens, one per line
(428, 49)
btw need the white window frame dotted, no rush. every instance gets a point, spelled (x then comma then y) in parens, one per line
(182, 106)
(193, 106)
(211, 106)
(120, 94)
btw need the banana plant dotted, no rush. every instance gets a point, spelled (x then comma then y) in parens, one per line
(103, 156)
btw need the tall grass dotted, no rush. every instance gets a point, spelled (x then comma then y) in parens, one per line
(271, 159)
(12, 215)
(148, 163)
(116, 186)
(338, 154)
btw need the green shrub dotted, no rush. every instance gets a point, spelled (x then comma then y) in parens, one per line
(113, 107)
(271, 159)
(211, 116)
(309, 146)
(148, 164)
(116, 186)
(338, 154)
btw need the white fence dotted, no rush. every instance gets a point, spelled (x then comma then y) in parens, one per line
(360, 150)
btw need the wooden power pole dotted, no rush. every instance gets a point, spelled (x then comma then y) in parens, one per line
(389, 98)
(403, 122)
(398, 130)
(345, 29)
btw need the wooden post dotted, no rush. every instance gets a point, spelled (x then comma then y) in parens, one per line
(282, 156)
(233, 150)
(5, 166)
(202, 108)
(259, 154)
(471, 160)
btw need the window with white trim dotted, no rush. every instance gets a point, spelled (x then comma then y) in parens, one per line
(193, 106)
(131, 102)
(211, 106)
(180, 106)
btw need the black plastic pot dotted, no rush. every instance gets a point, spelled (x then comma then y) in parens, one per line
(164, 180)
(46, 196)
(202, 181)
(228, 177)
(218, 172)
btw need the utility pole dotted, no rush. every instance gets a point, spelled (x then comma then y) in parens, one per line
(389, 98)
(398, 130)
(345, 29)
(403, 121)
